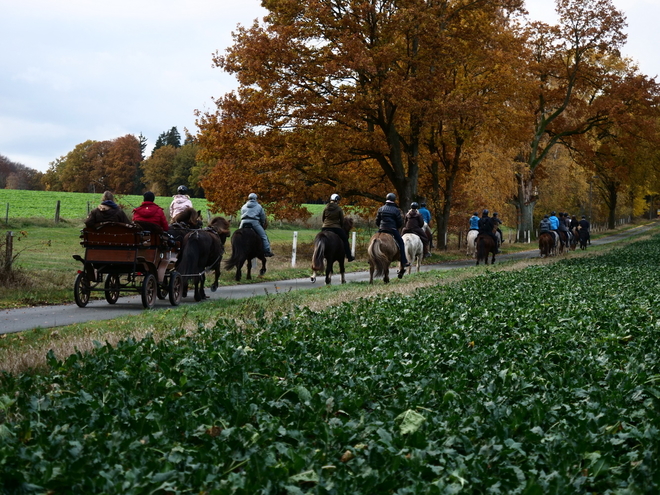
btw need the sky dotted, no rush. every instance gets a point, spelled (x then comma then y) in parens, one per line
(73, 70)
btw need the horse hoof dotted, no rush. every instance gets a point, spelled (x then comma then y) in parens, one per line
(313, 279)
(262, 272)
(214, 288)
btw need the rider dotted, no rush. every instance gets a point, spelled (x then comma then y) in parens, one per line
(584, 227)
(486, 227)
(333, 221)
(180, 201)
(253, 214)
(545, 225)
(563, 228)
(426, 215)
(496, 225)
(107, 211)
(150, 212)
(414, 223)
(474, 221)
(389, 219)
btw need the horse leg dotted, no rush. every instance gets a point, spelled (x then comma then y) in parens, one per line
(239, 267)
(328, 271)
(249, 270)
(341, 269)
(371, 273)
(262, 272)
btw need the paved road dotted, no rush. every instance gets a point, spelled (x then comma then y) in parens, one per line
(17, 320)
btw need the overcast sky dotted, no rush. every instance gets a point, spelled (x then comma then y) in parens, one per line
(73, 70)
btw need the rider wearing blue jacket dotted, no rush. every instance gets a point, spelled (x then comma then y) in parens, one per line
(474, 221)
(554, 221)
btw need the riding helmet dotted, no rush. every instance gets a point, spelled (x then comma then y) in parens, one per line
(335, 197)
(252, 196)
(414, 206)
(485, 212)
(423, 205)
(494, 213)
(553, 213)
(476, 214)
(182, 190)
(390, 197)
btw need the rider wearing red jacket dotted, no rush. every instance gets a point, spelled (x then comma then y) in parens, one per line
(149, 211)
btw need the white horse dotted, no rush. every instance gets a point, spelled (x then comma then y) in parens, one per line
(414, 250)
(472, 243)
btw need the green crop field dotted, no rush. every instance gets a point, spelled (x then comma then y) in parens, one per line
(544, 380)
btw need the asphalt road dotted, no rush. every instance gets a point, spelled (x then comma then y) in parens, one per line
(17, 320)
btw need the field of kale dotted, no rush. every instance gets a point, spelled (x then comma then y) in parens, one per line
(545, 380)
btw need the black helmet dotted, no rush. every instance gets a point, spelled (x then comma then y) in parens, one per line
(494, 213)
(414, 206)
(485, 212)
(423, 205)
(182, 190)
(390, 197)
(476, 214)
(553, 213)
(546, 216)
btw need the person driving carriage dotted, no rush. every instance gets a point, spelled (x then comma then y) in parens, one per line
(389, 220)
(252, 214)
(180, 201)
(333, 221)
(414, 223)
(107, 211)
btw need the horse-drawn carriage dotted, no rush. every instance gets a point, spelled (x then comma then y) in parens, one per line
(127, 258)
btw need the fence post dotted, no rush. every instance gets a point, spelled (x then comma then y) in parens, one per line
(353, 243)
(208, 217)
(9, 248)
(88, 208)
(295, 247)
(460, 238)
(57, 212)
(7, 215)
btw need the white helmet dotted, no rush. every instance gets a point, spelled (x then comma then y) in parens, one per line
(335, 197)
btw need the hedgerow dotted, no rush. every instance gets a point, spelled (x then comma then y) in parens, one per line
(538, 381)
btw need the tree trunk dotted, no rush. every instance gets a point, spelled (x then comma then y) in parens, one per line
(611, 204)
(525, 201)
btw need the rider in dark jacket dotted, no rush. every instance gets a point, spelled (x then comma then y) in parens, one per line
(486, 227)
(390, 219)
(107, 211)
(414, 223)
(333, 220)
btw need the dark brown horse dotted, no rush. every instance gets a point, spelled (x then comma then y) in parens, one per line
(202, 250)
(546, 244)
(246, 245)
(329, 247)
(188, 218)
(485, 244)
(382, 251)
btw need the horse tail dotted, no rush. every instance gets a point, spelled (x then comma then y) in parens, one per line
(186, 264)
(318, 258)
(380, 260)
(237, 256)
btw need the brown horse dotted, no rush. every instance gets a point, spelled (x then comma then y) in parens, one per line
(202, 250)
(328, 248)
(382, 251)
(546, 244)
(246, 245)
(485, 244)
(188, 218)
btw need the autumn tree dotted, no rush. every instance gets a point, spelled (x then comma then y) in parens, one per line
(342, 96)
(158, 168)
(570, 67)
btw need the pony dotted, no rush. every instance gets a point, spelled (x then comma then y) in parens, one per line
(382, 251)
(246, 244)
(472, 243)
(202, 250)
(188, 218)
(329, 247)
(414, 250)
(583, 234)
(547, 244)
(485, 245)
(429, 235)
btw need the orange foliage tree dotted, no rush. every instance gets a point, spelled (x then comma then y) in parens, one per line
(357, 98)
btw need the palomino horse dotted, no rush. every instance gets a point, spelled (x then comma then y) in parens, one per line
(547, 244)
(429, 235)
(472, 243)
(485, 244)
(328, 248)
(202, 250)
(188, 218)
(246, 244)
(382, 251)
(414, 250)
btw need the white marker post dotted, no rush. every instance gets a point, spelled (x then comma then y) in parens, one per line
(295, 247)
(353, 243)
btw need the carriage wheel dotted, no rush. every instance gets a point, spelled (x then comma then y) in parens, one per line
(149, 289)
(161, 292)
(176, 288)
(112, 288)
(81, 289)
